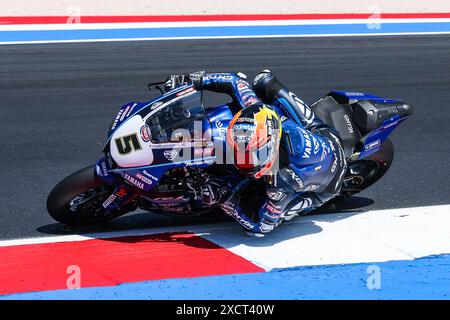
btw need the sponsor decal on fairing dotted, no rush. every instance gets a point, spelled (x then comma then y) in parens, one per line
(148, 174)
(145, 133)
(134, 181)
(144, 179)
(372, 145)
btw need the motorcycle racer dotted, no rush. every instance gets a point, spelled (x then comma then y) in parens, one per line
(275, 137)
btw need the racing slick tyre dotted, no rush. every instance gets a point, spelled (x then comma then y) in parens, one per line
(77, 200)
(363, 173)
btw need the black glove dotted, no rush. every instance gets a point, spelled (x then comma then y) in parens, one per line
(175, 81)
(197, 79)
(180, 79)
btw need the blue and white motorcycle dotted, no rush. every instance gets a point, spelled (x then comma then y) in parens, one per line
(160, 153)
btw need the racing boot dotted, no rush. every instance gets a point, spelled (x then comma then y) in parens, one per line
(271, 91)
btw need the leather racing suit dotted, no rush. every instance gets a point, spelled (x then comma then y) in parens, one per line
(312, 162)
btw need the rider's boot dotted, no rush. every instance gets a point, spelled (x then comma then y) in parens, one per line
(269, 89)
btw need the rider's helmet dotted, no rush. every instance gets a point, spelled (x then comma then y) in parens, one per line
(254, 136)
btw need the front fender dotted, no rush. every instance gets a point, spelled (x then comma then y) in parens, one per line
(102, 171)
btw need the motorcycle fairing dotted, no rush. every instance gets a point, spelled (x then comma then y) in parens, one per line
(351, 97)
(132, 108)
(139, 160)
(373, 137)
(102, 170)
(373, 141)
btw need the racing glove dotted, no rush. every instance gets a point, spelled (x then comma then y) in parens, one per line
(177, 80)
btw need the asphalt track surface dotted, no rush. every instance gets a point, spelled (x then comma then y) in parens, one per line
(57, 100)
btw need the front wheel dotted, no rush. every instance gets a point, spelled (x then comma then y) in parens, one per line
(77, 200)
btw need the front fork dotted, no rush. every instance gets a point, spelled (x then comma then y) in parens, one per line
(123, 195)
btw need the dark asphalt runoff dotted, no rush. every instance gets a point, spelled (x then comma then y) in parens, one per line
(57, 100)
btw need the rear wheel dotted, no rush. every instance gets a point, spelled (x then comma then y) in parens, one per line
(363, 173)
(78, 199)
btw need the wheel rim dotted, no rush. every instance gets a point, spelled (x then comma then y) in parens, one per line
(361, 173)
(88, 205)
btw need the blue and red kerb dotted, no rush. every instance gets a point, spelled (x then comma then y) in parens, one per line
(51, 29)
(185, 266)
(114, 261)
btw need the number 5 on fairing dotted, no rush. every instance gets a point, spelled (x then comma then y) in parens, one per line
(128, 144)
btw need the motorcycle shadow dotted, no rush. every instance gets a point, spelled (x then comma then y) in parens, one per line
(344, 205)
(298, 227)
(230, 236)
(134, 221)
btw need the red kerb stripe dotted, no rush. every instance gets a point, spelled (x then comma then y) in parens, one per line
(230, 17)
(108, 262)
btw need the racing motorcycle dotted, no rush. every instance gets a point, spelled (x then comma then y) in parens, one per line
(160, 153)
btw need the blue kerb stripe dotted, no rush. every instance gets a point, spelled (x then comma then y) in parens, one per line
(425, 278)
(155, 33)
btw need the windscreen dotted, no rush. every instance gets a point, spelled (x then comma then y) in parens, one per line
(177, 120)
